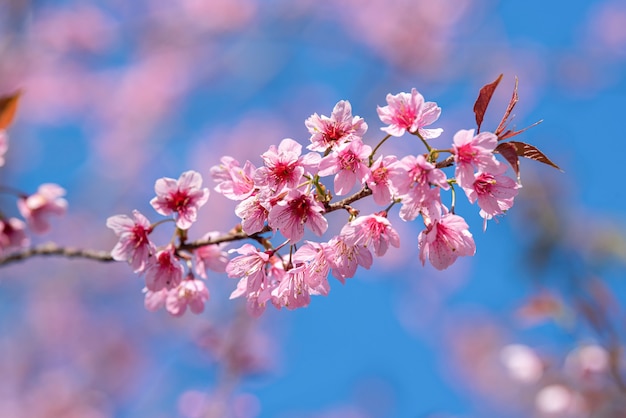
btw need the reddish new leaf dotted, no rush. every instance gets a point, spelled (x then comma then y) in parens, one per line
(8, 107)
(484, 97)
(507, 113)
(530, 151)
(509, 152)
(510, 133)
(512, 150)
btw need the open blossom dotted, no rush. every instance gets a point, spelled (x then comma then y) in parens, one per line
(253, 213)
(182, 197)
(37, 207)
(473, 152)
(296, 210)
(250, 265)
(371, 230)
(134, 245)
(344, 258)
(283, 165)
(382, 178)
(190, 292)
(165, 272)
(153, 301)
(210, 257)
(494, 192)
(409, 112)
(311, 254)
(12, 234)
(349, 161)
(296, 287)
(340, 127)
(234, 182)
(444, 240)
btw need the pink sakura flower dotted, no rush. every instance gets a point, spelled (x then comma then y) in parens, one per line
(495, 193)
(349, 161)
(382, 177)
(473, 152)
(37, 207)
(134, 245)
(153, 301)
(182, 197)
(4, 146)
(408, 112)
(190, 292)
(12, 234)
(340, 127)
(374, 230)
(249, 266)
(296, 287)
(444, 240)
(165, 271)
(253, 213)
(312, 255)
(283, 165)
(296, 210)
(234, 182)
(210, 257)
(415, 188)
(344, 258)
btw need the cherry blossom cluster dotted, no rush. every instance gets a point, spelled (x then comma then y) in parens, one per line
(288, 197)
(35, 209)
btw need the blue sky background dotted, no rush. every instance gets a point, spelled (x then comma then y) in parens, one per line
(379, 345)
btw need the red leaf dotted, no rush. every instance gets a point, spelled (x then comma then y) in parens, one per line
(8, 106)
(509, 152)
(484, 97)
(530, 151)
(507, 113)
(510, 134)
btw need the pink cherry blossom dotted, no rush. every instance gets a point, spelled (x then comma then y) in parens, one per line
(250, 265)
(344, 258)
(426, 203)
(4, 146)
(283, 165)
(444, 240)
(165, 271)
(473, 152)
(253, 213)
(374, 230)
(292, 291)
(12, 234)
(210, 257)
(182, 197)
(340, 127)
(296, 210)
(407, 112)
(495, 193)
(134, 245)
(153, 301)
(350, 162)
(234, 182)
(190, 292)
(37, 207)
(312, 254)
(382, 178)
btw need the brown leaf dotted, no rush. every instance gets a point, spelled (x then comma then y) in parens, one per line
(510, 133)
(507, 113)
(8, 107)
(509, 152)
(530, 151)
(484, 97)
